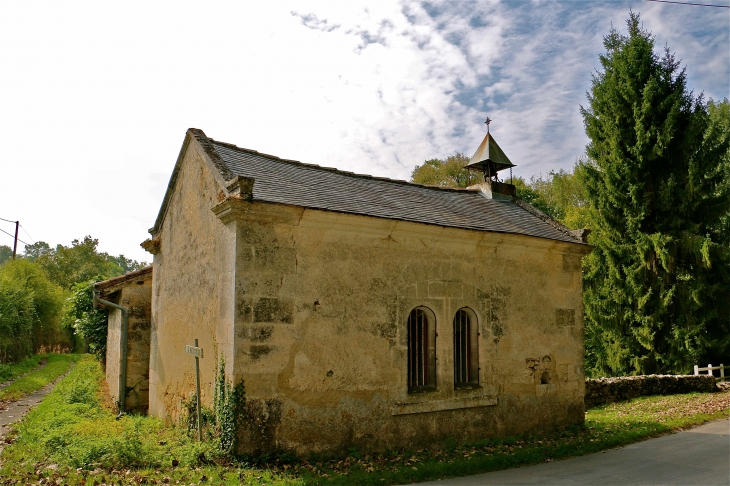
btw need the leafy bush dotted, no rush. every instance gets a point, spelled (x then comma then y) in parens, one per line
(190, 420)
(17, 316)
(82, 319)
(30, 311)
(221, 425)
(10, 371)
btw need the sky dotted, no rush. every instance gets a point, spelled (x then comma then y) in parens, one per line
(97, 96)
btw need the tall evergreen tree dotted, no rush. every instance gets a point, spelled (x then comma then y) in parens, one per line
(657, 186)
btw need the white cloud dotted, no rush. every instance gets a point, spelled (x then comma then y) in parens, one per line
(97, 97)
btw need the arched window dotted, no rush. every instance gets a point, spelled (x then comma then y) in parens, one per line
(466, 349)
(421, 351)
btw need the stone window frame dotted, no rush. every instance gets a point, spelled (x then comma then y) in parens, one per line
(466, 368)
(421, 345)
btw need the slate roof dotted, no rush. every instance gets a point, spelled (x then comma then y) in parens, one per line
(311, 186)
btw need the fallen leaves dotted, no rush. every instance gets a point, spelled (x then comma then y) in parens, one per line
(605, 427)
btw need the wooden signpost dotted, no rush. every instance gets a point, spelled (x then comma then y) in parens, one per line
(198, 353)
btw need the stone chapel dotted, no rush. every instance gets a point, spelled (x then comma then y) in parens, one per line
(361, 311)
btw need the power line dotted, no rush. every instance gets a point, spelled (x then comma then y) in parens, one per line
(13, 237)
(688, 3)
(26, 232)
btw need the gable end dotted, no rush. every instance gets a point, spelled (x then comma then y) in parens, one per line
(218, 168)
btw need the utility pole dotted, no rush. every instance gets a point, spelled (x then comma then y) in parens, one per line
(15, 246)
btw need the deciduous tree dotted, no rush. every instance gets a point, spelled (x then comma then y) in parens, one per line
(37, 249)
(6, 253)
(560, 194)
(80, 262)
(448, 172)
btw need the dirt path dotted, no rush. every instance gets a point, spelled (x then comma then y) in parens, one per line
(11, 412)
(41, 365)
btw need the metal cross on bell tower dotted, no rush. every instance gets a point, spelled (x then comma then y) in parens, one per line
(489, 158)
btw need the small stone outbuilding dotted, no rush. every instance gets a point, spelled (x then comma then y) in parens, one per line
(361, 311)
(132, 291)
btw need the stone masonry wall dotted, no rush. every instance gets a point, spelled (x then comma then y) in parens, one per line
(192, 291)
(609, 390)
(136, 298)
(309, 309)
(322, 302)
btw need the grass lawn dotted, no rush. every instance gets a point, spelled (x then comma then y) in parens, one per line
(10, 370)
(57, 365)
(71, 436)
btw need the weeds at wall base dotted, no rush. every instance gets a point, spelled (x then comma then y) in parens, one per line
(71, 436)
(222, 424)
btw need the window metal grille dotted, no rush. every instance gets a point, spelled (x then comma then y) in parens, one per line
(462, 347)
(418, 349)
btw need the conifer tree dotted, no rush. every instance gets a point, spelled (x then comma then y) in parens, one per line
(656, 283)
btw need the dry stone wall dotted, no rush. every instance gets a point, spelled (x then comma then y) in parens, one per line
(609, 390)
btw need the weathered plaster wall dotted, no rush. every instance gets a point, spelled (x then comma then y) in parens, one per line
(136, 298)
(192, 289)
(322, 301)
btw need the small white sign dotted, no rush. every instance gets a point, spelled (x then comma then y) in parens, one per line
(197, 352)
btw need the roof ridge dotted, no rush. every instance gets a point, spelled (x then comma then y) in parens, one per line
(111, 282)
(207, 144)
(547, 218)
(215, 150)
(334, 169)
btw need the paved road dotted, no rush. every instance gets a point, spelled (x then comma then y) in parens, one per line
(700, 456)
(14, 411)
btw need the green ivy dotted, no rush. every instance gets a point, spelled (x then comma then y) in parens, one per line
(223, 423)
(81, 318)
(228, 405)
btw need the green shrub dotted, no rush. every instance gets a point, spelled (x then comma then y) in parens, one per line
(81, 318)
(17, 316)
(12, 370)
(30, 311)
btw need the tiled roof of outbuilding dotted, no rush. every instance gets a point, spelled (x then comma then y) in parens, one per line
(115, 283)
(311, 186)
